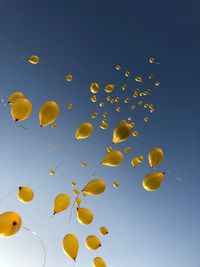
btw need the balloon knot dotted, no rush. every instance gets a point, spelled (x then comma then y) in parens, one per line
(14, 223)
(20, 188)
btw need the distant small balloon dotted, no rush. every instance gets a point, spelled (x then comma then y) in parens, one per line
(34, 59)
(69, 77)
(94, 87)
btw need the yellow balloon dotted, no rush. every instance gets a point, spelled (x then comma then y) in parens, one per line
(135, 162)
(25, 194)
(103, 125)
(61, 202)
(14, 96)
(52, 172)
(155, 157)
(99, 262)
(48, 113)
(71, 246)
(78, 201)
(10, 223)
(121, 132)
(151, 60)
(109, 88)
(95, 187)
(152, 181)
(69, 77)
(138, 79)
(94, 87)
(84, 130)
(103, 230)
(116, 184)
(83, 164)
(76, 191)
(92, 242)
(73, 183)
(34, 59)
(113, 158)
(21, 109)
(70, 106)
(84, 216)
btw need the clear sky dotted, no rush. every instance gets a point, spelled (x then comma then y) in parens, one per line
(88, 38)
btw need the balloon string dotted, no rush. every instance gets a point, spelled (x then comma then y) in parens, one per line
(9, 193)
(70, 216)
(67, 149)
(43, 247)
(22, 126)
(95, 170)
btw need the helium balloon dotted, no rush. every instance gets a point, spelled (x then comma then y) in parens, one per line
(70, 106)
(95, 187)
(135, 162)
(78, 201)
(54, 126)
(103, 126)
(34, 59)
(92, 242)
(127, 73)
(73, 183)
(118, 67)
(10, 223)
(127, 149)
(76, 191)
(109, 88)
(116, 184)
(69, 77)
(21, 109)
(124, 86)
(109, 149)
(152, 181)
(118, 109)
(113, 158)
(84, 216)
(101, 104)
(83, 164)
(48, 113)
(157, 83)
(146, 119)
(135, 134)
(133, 107)
(61, 202)
(71, 246)
(155, 157)
(52, 172)
(94, 115)
(103, 230)
(93, 98)
(152, 60)
(99, 262)
(138, 79)
(84, 130)
(14, 96)
(121, 132)
(94, 87)
(25, 194)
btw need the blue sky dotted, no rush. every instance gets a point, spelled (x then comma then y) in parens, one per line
(88, 39)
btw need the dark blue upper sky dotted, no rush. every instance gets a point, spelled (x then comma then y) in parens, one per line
(87, 39)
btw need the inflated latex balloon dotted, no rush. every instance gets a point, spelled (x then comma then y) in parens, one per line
(93, 98)
(127, 149)
(21, 109)
(103, 125)
(103, 230)
(61, 203)
(69, 77)
(127, 73)
(109, 88)
(95, 187)
(138, 79)
(14, 96)
(48, 113)
(94, 87)
(84, 130)
(121, 132)
(76, 191)
(155, 157)
(116, 184)
(135, 133)
(73, 183)
(113, 158)
(78, 201)
(10, 223)
(54, 126)
(84, 216)
(152, 181)
(135, 162)
(92, 242)
(25, 194)
(118, 67)
(94, 115)
(70, 106)
(34, 59)
(52, 172)
(152, 60)
(83, 164)
(71, 246)
(99, 262)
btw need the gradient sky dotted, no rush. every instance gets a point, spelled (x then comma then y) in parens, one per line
(88, 38)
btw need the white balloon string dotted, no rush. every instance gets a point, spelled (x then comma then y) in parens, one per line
(9, 193)
(43, 247)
